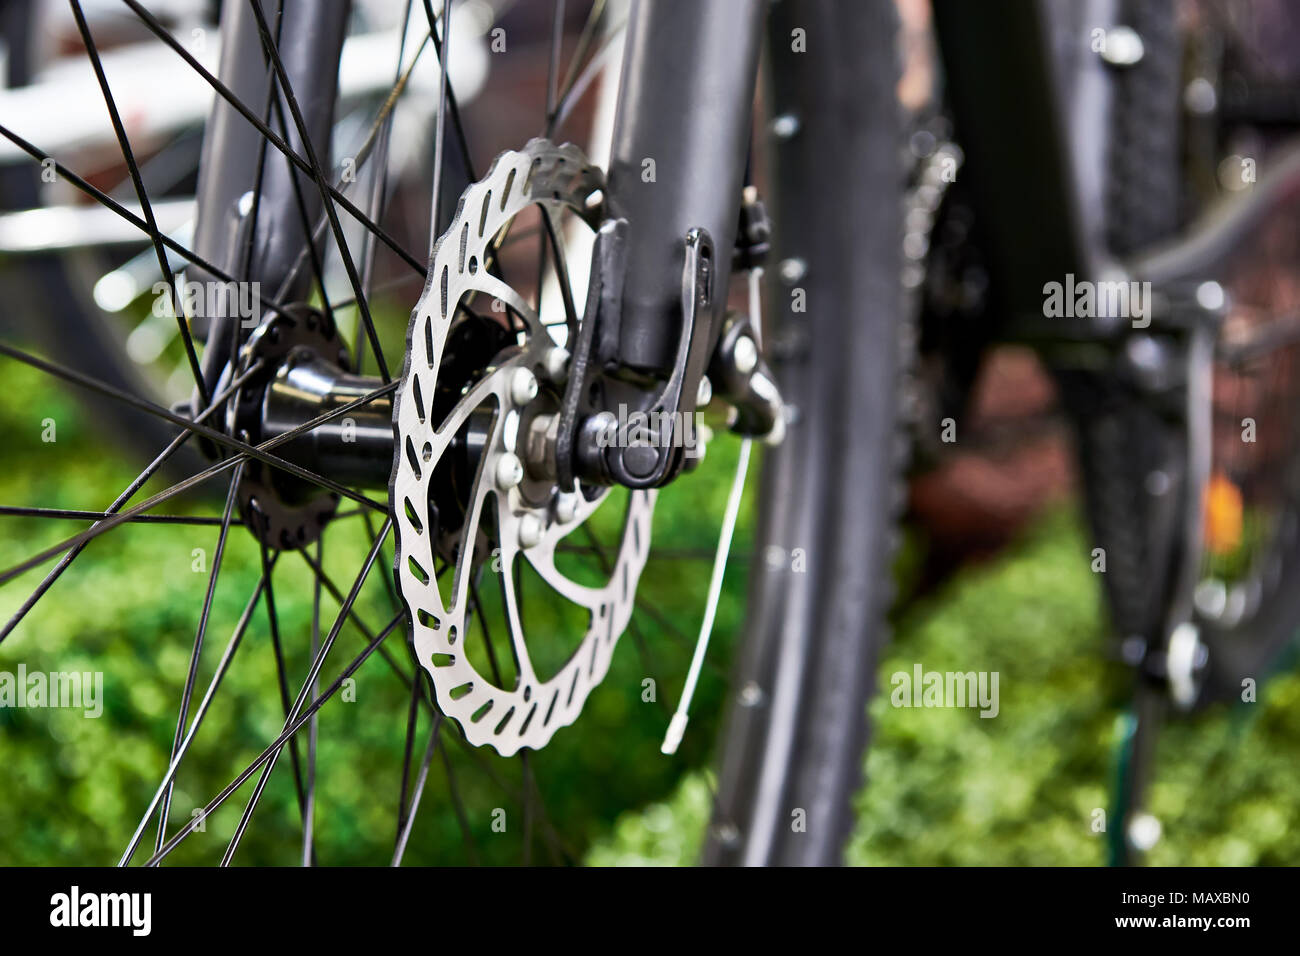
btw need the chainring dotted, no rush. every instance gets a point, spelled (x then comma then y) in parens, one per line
(527, 714)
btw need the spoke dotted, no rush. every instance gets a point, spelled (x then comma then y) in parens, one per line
(158, 411)
(279, 742)
(222, 90)
(573, 94)
(195, 520)
(48, 581)
(273, 620)
(642, 646)
(318, 268)
(109, 523)
(309, 823)
(487, 638)
(553, 66)
(409, 822)
(562, 273)
(323, 579)
(440, 131)
(408, 751)
(390, 286)
(453, 107)
(579, 51)
(362, 157)
(222, 666)
(305, 693)
(453, 792)
(326, 190)
(197, 651)
(178, 304)
(113, 205)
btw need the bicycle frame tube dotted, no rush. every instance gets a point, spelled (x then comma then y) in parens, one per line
(1040, 215)
(681, 137)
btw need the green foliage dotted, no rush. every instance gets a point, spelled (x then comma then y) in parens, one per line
(129, 607)
(946, 787)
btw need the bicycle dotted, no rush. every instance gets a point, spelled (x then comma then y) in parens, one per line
(573, 320)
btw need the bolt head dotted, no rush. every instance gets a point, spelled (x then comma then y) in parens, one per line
(566, 506)
(523, 386)
(509, 471)
(530, 530)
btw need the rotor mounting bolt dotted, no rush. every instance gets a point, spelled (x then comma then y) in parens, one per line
(746, 355)
(555, 363)
(523, 386)
(509, 471)
(530, 530)
(566, 507)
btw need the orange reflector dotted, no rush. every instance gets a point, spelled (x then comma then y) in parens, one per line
(1222, 516)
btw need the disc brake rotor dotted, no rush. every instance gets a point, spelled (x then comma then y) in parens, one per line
(528, 517)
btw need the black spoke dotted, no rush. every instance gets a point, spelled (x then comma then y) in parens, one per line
(116, 207)
(309, 821)
(579, 51)
(305, 693)
(574, 92)
(408, 821)
(48, 581)
(453, 108)
(222, 666)
(323, 579)
(362, 157)
(197, 651)
(458, 807)
(178, 305)
(562, 274)
(278, 744)
(179, 488)
(553, 65)
(281, 673)
(193, 520)
(225, 93)
(408, 751)
(326, 190)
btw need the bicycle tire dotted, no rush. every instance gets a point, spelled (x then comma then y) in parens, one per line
(797, 729)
